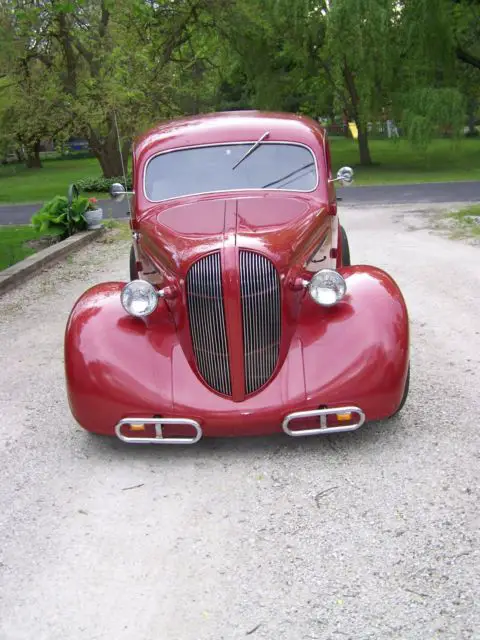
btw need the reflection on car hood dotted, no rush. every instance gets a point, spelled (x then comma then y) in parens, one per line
(279, 225)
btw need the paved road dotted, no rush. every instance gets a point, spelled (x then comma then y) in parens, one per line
(391, 194)
(412, 194)
(365, 536)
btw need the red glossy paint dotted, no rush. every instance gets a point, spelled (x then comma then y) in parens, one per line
(356, 353)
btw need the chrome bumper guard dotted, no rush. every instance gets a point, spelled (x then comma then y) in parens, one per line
(323, 429)
(159, 439)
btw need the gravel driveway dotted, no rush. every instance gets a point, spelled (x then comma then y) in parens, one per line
(368, 535)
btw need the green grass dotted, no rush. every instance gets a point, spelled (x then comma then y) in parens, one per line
(396, 162)
(466, 224)
(12, 244)
(18, 184)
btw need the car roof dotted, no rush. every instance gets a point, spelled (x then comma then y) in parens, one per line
(228, 126)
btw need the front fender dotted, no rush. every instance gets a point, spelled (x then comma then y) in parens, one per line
(114, 363)
(359, 349)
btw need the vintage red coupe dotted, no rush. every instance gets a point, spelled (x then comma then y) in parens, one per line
(243, 315)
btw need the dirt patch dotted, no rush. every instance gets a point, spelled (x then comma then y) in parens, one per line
(37, 244)
(445, 220)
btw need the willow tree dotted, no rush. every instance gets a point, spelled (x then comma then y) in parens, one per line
(362, 49)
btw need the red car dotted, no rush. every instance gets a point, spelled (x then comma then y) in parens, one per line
(243, 315)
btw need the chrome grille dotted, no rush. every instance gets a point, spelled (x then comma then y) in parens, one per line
(260, 293)
(207, 322)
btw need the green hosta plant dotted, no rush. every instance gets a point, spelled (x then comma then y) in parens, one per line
(58, 217)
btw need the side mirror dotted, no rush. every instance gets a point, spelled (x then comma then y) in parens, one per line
(117, 191)
(345, 175)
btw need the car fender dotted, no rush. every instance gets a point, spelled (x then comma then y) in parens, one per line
(358, 350)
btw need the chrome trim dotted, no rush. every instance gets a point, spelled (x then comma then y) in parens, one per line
(323, 429)
(229, 144)
(261, 318)
(159, 439)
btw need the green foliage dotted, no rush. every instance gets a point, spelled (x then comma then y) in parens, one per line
(430, 111)
(362, 49)
(78, 66)
(58, 217)
(101, 184)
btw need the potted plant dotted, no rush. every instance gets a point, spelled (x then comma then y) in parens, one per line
(64, 216)
(60, 217)
(93, 214)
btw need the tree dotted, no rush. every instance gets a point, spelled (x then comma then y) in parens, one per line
(112, 62)
(32, 105)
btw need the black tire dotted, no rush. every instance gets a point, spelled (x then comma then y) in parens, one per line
(345, 248)
(133, 265)
(405, 393)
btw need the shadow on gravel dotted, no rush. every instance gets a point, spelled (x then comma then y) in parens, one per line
(370, 437)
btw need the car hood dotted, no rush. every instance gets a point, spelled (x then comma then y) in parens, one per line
(284, 227)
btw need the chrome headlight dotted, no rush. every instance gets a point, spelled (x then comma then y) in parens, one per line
(327, 287)
(139, 298)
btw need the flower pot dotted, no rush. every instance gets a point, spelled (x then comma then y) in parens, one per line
(93, 218)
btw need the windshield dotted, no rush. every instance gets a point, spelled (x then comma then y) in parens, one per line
(206, 169)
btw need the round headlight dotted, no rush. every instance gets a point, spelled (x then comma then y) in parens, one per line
(327, 287)
(139, 298)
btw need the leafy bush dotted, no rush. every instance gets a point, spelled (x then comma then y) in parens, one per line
(56, 217)
(102, 184)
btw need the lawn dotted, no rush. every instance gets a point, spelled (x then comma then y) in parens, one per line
(18, 184)
(395, 162)
(13, 247)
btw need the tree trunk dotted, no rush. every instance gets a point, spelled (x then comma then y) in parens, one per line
(472, 108)
(33, 156)
(106, 152)
(354, 110)
(363, 148)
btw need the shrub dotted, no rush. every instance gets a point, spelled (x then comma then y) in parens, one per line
(57, 217)
(101, 184)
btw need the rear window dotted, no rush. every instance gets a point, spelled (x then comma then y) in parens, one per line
(205, 169)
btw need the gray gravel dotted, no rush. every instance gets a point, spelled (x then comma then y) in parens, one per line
(370, 535)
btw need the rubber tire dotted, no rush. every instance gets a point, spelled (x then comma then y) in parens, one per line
(133, 265)
(346, 262)
(405, 393)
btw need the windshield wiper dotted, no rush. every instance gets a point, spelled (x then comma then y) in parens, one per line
(252, 149)
(289, 175)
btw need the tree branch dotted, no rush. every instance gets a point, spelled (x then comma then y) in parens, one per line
(467, 57)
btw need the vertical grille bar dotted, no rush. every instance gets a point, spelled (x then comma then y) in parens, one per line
(260, 295)
(207, 322)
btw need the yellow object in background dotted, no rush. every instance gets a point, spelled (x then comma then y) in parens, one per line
(353, 130)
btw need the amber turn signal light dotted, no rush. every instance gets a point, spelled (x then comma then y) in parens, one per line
(137, 427)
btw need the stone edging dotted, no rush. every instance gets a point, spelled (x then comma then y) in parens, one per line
(29, 267)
